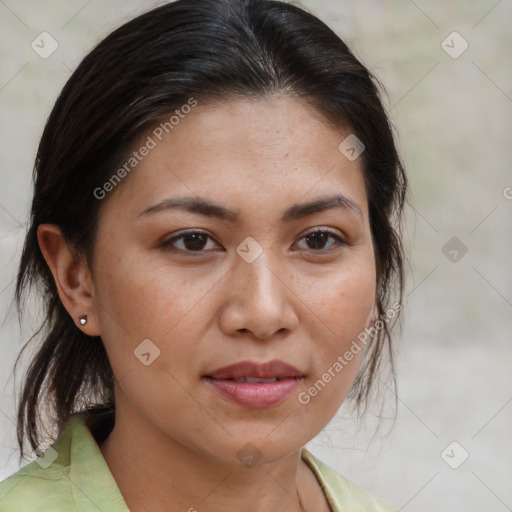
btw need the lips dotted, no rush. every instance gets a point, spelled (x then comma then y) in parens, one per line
(247, 371)
(255, 385)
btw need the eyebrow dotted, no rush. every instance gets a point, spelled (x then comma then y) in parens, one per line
(211, 209)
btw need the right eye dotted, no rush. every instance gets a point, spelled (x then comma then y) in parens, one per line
(189, 242)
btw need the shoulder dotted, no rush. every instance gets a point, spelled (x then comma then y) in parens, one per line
(36, 488)
(40, 486)
(71, 475)
(342, 493)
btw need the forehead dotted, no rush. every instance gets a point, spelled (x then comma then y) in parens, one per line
(249, 148)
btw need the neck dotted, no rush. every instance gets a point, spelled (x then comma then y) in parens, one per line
(154, 472)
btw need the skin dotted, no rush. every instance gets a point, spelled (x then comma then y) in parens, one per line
(175, 443)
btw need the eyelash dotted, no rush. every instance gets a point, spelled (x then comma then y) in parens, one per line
(168, 244)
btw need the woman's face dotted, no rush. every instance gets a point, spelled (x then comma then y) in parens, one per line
(203, 260)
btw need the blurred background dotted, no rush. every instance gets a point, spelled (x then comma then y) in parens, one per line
(447, 70)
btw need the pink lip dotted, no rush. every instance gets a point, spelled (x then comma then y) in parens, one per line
(256, 394)
(269, 370)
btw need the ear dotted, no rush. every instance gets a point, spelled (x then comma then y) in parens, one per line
(72, 277)
(373, 316)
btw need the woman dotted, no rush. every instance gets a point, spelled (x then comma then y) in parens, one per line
(215, 226)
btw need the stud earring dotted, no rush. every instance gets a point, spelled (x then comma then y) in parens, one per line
(83, 320)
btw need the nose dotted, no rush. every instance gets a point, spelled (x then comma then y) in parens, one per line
(258, 300)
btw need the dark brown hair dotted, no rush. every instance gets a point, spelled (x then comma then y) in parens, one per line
(135, 77)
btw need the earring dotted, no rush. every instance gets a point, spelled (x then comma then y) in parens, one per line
(83, 320)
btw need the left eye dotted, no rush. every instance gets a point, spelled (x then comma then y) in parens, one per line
(197, 241)
(318, 239)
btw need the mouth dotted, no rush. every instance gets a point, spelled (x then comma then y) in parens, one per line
(252, 380)
(270, 370)
(255, 385)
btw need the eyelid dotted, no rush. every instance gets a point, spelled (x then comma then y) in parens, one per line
(321, 229)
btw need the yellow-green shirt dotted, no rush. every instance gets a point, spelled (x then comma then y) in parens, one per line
(73, 476)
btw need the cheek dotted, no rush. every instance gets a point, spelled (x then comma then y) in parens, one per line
(345, 303)
(345, 307)
(142, 299)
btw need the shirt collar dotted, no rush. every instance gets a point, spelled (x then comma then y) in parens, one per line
(92, 482)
